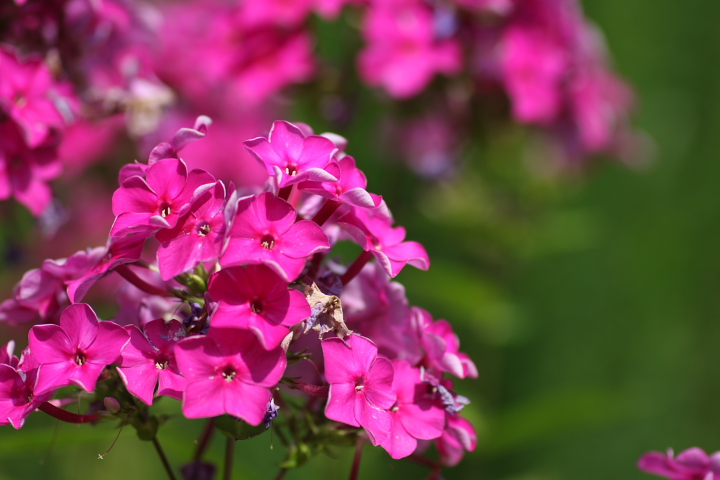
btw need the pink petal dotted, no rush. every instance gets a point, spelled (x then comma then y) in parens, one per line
(378, 384)
(399, 443)
(141, 380)
(171, 384)
(423, 420)
(204, 398)
(167, 177)
(377, 422)
(135, 196)
(303, 239)
(197, 358)
(111, 338)
(248, 402)
(50, 344)
(341, 403)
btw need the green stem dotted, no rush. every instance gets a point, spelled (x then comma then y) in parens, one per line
(163, 458)
(229, 457)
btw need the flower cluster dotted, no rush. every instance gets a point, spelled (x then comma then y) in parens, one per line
(692, 464)
(231, 293)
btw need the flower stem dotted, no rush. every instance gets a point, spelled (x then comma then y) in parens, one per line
(163, 458)
(326, 211)
(356, 266)
(229, 457)
(356, 461)
(205, 437)
(281, 474)
(65, 416)
(284, 192)
(125, 272)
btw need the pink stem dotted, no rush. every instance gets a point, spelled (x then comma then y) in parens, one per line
(125, 272)
(284, 192)
(65, 416)
(326, 211)
(356, 461)
(355, 268)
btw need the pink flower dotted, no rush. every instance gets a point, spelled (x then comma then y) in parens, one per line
(459, 437)
(402, 54)
(76, 351)
(350, 188)
(159, 199)
(198, 236)
(265, 232)
(274, 13)
(291, 157)
(691, 464)
(228, 371)
(256, 298)
(148, 361)
(18, 396)
(182, 138)
(376, 235)
(415, 414)
(360, 385)
(6, 355)
(442, 346)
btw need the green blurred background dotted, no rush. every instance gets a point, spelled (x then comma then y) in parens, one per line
(589, 304)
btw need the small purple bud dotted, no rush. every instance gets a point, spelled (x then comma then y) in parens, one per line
(111, 405)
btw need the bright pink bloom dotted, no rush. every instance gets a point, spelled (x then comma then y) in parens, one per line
(375, 234)
(274, 13)
(28, 97)
(182, 138)
(256, 298)
(265, 232)
(442, 346)
(148, 361)
(350, 188)
(198, 236)
(691, 464)
(158, 200)
(498, 7)
(24, 172)
(228, 371)
(18, 395)
(76, 351)
(402, 54)
(119, 251)
(415, 414)
(6, 355)
(459, 437)
(291, 157)
(360, 385)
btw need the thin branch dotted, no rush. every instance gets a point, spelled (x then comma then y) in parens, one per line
(229, 457)
(163, 458)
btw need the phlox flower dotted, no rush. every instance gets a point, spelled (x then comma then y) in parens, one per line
(228, 371)
(360, 385)
(691, 464)
(350, 188)
(148, 360)
(265, 232)
(76, 351)
(256, 298)
(442, 345)
(458, 437)
(18, 395)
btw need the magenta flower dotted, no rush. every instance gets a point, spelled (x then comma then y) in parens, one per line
(228, 371)
(415, 414)
(360, 385)
(691, 464)
(18, 397)
(256, 298)
(76, 351)
(6, 355)
(350, 188)
(182, 138)
(198, 236)
(148, 361)
(291, 157)
(442, 346)
(159, 199)
(375, 234)
(265, 232)
(458, 437)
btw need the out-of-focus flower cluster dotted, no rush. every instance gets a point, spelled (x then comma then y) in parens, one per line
(692, 464)
(69, 66)
(233, 304)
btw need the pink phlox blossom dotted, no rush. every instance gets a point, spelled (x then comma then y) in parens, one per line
(197, 237)
(293, 158)
(77, 350)
(18, 395)
(228, 371)
(24, 172)
(403, 54)
(158, 200)
(378, 308)
(41, 292)
(330, 9)
(360, 385)
(182, 138)
(691, 464)
(29, 97)
(119, 251)
(431, 146)
(415, 414)
(6, 355)
(374, 233)
(497, 7)
(442, 345)
(350, 187)
(148, 361)
(442, 389)
(265, 232)
(281, 13)
(458, 437)
(256, 298)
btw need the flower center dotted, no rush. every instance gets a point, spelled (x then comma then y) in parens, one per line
(359, 384)
(165, 210)
(256, 306)
(267, 241)
(20, 100)
(80, 359)
(229, 374)
(203, 229)
(161, 363)
(291, 170)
